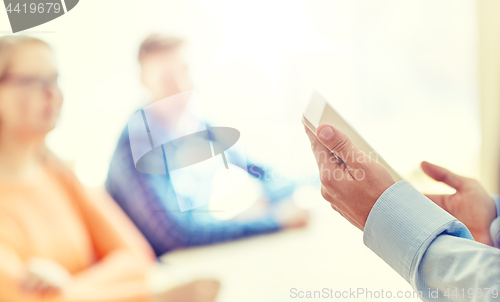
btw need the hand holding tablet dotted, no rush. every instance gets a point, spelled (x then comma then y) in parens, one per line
(352, 180)
(320, 112)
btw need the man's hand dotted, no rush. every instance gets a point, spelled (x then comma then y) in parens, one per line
(351, 181)
(290, 216)
(203, 290)
(44, 277)
(471, 204)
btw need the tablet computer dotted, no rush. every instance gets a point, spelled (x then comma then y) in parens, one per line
(319, 112)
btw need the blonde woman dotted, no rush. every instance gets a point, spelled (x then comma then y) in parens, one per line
(57, 243)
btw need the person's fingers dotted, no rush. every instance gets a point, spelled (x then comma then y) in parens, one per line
(29, 283)
(35, 285)
(45, 289)
(335, 140)
(443, 175)
(438, 199)
(206, 289)
(305, 217)
(321, 153)
(328, 164)
(39, 286)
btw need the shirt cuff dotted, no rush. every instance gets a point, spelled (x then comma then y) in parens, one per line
(495, 225)
(403, 223)
(496, 198)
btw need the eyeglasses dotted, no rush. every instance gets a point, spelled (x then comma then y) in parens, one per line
(31, 83)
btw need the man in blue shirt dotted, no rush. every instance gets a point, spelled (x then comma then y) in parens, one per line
(431, 249)
(150, 200)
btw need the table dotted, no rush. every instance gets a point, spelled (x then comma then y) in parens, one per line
(329, 253)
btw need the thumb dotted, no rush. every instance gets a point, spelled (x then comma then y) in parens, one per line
(441, 174)
(334, 139)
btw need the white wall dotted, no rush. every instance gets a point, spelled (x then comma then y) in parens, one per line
(403, 72)
(489, 83)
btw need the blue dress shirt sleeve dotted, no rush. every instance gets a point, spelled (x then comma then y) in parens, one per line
(495, 225)
(150, 202)
(428, 247)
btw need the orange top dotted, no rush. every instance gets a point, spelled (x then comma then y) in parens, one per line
(55, 219)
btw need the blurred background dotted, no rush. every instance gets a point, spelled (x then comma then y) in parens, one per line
(419, 79)
(404, 73)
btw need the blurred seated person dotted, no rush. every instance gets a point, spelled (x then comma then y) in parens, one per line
(56, 242)
(149, 199)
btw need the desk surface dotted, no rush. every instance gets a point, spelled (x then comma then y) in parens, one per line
(329, 253)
